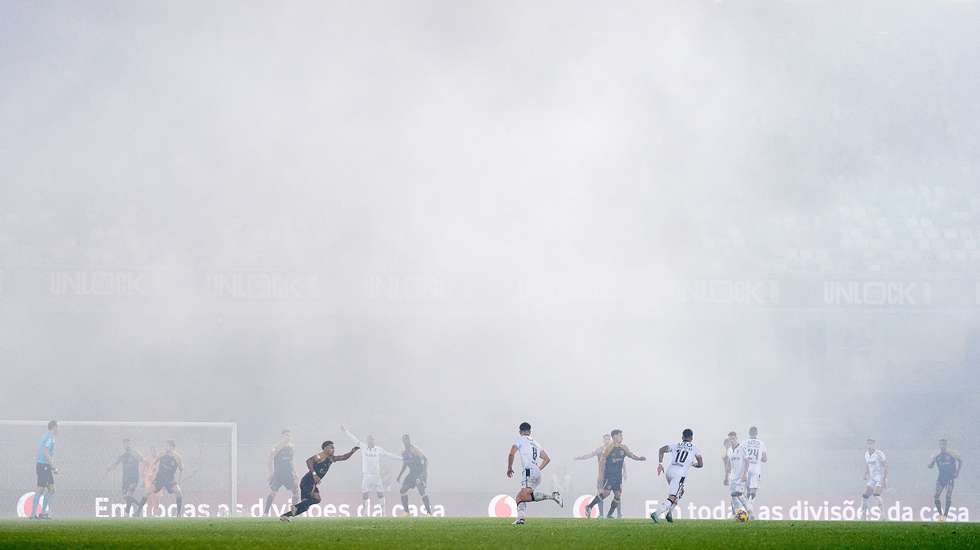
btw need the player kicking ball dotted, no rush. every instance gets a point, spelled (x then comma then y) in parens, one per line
(533, 459)
(682, 456)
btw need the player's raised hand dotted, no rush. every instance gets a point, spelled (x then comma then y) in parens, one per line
(660, 469)
(510, 472)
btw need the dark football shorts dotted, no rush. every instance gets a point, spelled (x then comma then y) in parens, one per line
(45, 476)
(413, 481)
(307, 489)
(168, 483)
(129, 484)
(282, 479)
(613, 483)
(947, 483)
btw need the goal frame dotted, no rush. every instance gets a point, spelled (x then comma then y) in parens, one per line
(231, 426)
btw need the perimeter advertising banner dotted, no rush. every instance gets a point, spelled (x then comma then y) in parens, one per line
(349, 505)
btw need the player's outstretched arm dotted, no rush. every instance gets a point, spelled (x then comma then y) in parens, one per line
(350, 435)
(698, 461)
(345, 456)
(959, 464)
(633, 455)
(402, 472)
(933, 461)
(545, 459)
(510, 460)
(118, 460)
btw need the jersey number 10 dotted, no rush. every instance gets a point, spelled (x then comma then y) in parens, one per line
(680, 456)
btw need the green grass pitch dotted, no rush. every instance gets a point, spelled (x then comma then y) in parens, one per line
(482, 533)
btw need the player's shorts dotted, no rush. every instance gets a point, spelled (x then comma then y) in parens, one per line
(285, 480)
(308, 489)
(413, 481)
(371, 483)
(45, 476)
(737, 486)
(754, 478)
(875, 482)
(613, 483)
(129, 484)
(947, 483)
(676, 482)
(168, 483)
(531, 478)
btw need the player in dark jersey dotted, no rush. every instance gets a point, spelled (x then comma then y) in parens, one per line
(168, 465)
(949, 464)
(414, 460)
(612, 473)
(281, 472)
(130, 460)
(309, 486)
(597, 454)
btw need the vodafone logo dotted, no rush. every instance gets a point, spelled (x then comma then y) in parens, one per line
(579, 509)
(502, 506)
(25, 505)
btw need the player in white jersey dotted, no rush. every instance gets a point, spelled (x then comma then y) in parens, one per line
(736, 473)
(876, 477)
(371, 481)
(682, 455)
(756, 456)
(533, 460)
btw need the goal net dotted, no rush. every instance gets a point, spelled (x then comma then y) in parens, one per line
(85, 451)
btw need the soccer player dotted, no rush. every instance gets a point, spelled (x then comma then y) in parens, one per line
(413, 460)
(533, 459)
(611, 467)
(309, 486)
(597, 455)
(755, 455)
(736, 473)
(371, 481)
(876, 476)
(682, 456)
(130, 460)
(168, 465)
(281, 472)
(45, 472)
(730, 442)
(949, 464)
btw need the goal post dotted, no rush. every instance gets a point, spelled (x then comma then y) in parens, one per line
(86, 449)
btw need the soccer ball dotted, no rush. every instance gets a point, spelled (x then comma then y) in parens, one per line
(741, 515)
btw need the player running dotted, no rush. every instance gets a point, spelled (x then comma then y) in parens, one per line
(755, 455)
(413, 460)
(736, 474)
(168, 465)
(682, 456)
(309, 486)
(281, 471)
(533, 459)
(611, 472)
(130, 460)
(876, 475)
(371, 481)
(597, 455)
(45, 473)
(949, 464)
